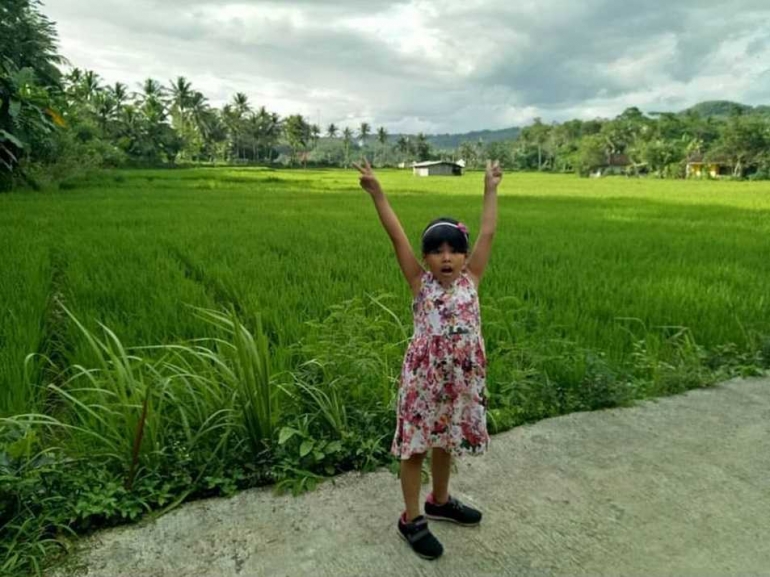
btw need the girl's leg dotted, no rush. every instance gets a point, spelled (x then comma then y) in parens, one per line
(411, 479)
(440, 463)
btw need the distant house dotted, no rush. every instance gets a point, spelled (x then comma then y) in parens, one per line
(699, 167)
(613, 164)
(437, 168)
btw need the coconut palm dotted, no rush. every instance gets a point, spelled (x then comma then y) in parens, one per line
(120, 93)
(105, 109)
(241, 103)
(72, 82)
(402, 144)
(315, 133)
(347, 138)
(240, 108)
(332, 130)
(382, 135)
(422, 147)
(231, 119)
(272, 133)
(151, 90)
(382, 138)
(200, 113)
(363, 132)
(181, 94)
(89, 85)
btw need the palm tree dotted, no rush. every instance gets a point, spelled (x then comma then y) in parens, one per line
(347, 138)
(315, 133)
(241, 103)
(260, 126)
(202, 120)
(382, 138)
(200, 113)
(240, 107)
(403, 144)
(298, 135)
(72, 83)
(253, 131)
(105, 108)
(151, 90)
(181, 94)
(273, 133)
(231, 120)
(332, 130)
(363, 132)
(422, 147)
(120, 93)
(382, 135)
(89, 84)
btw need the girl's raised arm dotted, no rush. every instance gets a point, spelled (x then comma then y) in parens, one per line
(410, 266)
(477, 262)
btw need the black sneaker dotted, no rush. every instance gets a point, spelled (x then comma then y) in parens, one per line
(419, 537)
(453, 510)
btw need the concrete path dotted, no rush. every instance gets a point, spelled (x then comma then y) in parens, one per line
(677, 486)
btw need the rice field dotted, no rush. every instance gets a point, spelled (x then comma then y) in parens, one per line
(599, 263)
(170, 335)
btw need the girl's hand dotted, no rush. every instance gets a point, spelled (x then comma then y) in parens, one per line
(368, 181)
(494, 175)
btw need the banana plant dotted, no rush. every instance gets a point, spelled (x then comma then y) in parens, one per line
(25, 113)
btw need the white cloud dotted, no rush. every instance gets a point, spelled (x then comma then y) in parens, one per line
(431, 65)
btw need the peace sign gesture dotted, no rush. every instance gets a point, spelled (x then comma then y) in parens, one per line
(494, 174)
(368, 181)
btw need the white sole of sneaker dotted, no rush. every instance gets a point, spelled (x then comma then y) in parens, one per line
(432, 518)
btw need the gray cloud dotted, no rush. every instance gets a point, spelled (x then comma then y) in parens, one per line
(447, 66)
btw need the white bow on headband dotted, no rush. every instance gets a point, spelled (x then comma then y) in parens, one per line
(459, 226)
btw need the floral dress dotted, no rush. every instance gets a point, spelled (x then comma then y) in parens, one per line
(442, 396)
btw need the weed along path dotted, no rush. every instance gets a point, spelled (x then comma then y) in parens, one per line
(674, 486)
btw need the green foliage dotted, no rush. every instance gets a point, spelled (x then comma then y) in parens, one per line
(28, 40)
(28, 80)
(297, 132)
(25, 117)
(591, 153)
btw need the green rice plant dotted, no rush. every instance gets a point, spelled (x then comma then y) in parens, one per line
(111, 410)
(121, 421)
(327, 401)
(249, 374)
(24, 284)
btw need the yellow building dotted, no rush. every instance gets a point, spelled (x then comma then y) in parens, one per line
(697, 167)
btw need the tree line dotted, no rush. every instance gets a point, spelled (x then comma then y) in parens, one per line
(54, 124)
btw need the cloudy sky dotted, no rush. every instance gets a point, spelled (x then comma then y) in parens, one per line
(431, 65)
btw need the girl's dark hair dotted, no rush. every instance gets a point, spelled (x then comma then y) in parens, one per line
(432, 239)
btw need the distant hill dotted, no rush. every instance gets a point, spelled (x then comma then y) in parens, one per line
(448, 141)
(455, 140)
(717, 108)
(724, 108)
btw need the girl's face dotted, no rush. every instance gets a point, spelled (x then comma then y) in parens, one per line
(445, 263)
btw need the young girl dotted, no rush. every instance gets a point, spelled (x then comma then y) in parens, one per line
(442, 395)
